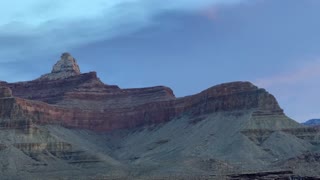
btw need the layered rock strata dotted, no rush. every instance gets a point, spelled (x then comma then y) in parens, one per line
(234, 129)
(76, 100)
(109, 107)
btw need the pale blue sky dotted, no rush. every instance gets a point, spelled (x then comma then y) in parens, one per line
(188, 45)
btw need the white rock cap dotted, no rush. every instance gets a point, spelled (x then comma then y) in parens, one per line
(66, 67)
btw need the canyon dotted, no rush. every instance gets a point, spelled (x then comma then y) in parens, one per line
(68, 124)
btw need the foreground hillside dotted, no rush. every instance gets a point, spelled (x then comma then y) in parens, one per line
(66, 124)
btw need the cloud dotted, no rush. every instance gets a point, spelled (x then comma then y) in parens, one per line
(309, 70)
(210, 13)
(32, 26)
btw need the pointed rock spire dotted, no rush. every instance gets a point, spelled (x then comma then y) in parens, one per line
(66, 67)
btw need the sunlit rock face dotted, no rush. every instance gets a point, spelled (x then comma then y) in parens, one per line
(66, 67)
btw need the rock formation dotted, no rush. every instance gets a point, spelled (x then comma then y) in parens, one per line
(66, 67)
(66, 120)
(83, 101)
(5, 92)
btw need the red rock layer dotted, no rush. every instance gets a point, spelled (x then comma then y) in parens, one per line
(85, 102)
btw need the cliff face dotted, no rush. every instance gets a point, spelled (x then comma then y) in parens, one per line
(67, 97)
(85, 102)
(66, 122)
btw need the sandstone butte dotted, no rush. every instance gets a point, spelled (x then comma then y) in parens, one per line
(67, 124)
(75, 100)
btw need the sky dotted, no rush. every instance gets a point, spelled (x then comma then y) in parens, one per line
(188, 45)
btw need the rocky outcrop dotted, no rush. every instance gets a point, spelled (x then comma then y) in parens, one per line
(120, 109)
(54, 91)
(310, 134)
(5, 92)
(45, 125)
(269, 176)
(82, 101)
(66, 67)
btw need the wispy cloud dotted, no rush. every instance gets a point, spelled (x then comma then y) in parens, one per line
(210, 13)
(45, 25)
(309, 70)
(297, 89)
